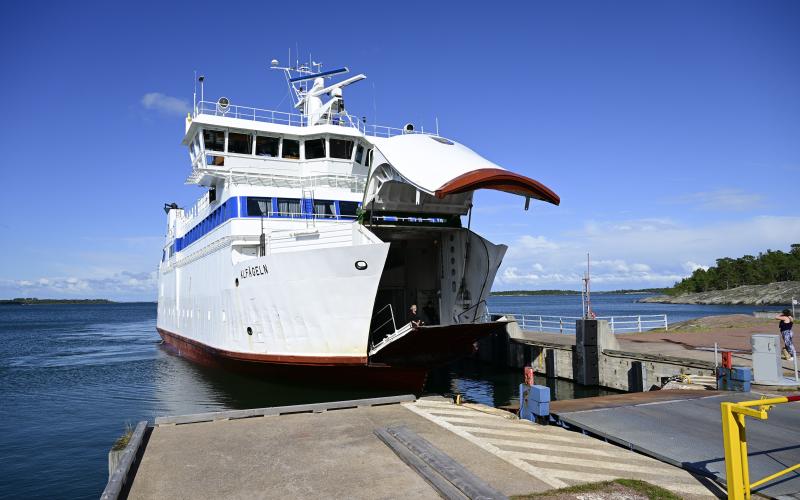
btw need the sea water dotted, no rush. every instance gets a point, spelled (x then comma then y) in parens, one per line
(73, 376)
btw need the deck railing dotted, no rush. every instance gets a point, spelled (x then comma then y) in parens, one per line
(297, 120)
(566, 324)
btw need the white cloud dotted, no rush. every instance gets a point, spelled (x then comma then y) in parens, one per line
(124, 285)
(722, 200)
(694, 266)
(165, 104)
(637, 253)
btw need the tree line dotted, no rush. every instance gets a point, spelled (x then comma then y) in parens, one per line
(767, 267)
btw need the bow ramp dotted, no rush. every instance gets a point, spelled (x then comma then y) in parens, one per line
(418, 188)
(432, 345)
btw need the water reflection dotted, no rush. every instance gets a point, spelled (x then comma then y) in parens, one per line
(497, 386)
(182, 387)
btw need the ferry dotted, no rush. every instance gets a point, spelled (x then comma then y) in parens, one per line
(315, 235)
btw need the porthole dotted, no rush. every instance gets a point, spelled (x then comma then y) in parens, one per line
(361, 265)
(249, 331)
(236, 281)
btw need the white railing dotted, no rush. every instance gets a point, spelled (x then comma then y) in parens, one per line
(353, 182)
(566, 324)
(248, 113)
(298, 120)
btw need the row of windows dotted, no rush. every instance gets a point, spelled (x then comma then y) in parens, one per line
(222, 213)
(255, 206)
(275, 147)
(297, 208)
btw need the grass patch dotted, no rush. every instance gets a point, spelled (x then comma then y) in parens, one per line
(643, 488)
(652, 491)
(124, 439)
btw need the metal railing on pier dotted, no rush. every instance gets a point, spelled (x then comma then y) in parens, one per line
(566, 324)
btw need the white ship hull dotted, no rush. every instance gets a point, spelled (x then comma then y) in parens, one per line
(313, 305)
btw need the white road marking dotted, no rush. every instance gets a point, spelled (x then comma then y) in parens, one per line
(483, 429)
(536, 472)
(592, 464)
(539, 445)
(522, 432)
(496, 422)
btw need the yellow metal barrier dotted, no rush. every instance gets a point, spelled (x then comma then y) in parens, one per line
(735, 440)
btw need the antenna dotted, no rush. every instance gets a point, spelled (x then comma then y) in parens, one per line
(374, 105)
(194, 94)
(586, 303)
(202, 79)
(307, 85)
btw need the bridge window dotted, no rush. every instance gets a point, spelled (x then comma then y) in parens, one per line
(267, 146)
(291, 149)
(359, 154)
(315, 148)
(341, 148)
(289, 207)
(240, 143)
(348, 209)
(214, 140)
(258, 207)
(325, 209)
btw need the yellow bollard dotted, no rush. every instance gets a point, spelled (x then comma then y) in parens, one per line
(733, 457)
(743, 454)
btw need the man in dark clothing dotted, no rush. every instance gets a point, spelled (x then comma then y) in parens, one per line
(413, 317)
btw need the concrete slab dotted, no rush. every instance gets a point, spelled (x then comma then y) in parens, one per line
(688, 433)
(329, 454)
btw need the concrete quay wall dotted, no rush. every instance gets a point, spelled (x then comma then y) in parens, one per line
(595, 359)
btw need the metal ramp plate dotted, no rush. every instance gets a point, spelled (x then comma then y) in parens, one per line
(432, 345)
(690, 436)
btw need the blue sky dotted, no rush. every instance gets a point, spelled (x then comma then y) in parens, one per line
(671, 130)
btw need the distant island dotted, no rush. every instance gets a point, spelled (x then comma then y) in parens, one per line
(767, 267)
(770, 278)
(517, 293)
(779, 293)
(30, 301)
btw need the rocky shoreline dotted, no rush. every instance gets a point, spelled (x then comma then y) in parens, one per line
(774, 294)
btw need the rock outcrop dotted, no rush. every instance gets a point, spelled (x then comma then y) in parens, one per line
(777, 294)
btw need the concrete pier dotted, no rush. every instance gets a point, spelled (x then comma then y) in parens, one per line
(468, 450)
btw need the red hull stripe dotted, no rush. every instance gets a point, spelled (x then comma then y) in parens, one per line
(182, 342)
